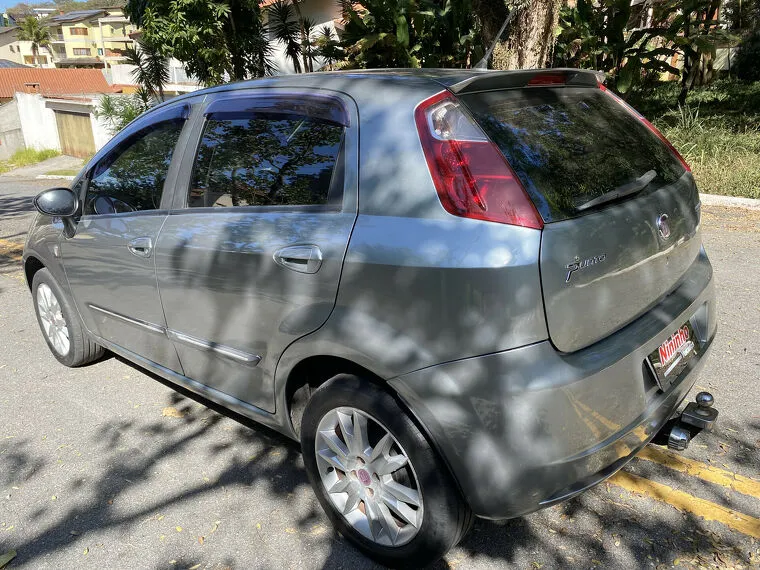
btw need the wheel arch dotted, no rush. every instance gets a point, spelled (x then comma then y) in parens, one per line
(32, 265)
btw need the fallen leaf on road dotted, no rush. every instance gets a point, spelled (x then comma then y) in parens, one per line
(74, 532)
(290, 530)
(6, 558)
(179, 529)
(86, 551)
(200, 540)
(216, 526)
(172, 412)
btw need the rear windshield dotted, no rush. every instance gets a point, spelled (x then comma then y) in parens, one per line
(571, 145)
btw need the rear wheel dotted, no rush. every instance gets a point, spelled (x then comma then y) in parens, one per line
(60, 324)
(377, 477)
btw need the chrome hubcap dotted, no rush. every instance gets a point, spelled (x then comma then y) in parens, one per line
(53, 323)
(368, 477)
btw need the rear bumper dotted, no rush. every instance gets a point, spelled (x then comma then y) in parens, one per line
(529, 427)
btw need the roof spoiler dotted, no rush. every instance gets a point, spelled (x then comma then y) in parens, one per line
(529, 78)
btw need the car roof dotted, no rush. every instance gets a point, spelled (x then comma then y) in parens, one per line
(458, 80)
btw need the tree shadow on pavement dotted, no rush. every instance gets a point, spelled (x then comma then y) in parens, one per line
(192, 437)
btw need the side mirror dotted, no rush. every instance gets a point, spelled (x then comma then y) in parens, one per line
(57, 202)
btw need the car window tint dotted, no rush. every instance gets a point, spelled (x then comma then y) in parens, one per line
(266, 160)
(131, 177)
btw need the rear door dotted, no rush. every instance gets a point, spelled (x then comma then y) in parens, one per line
(109, 259)
(250, 257)
(621, 210)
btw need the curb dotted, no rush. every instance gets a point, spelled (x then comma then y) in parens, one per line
(56, 177)
(729, 201)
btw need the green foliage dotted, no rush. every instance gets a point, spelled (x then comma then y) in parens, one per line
(721, 142)
(218, 40)
(151, 68)
(285, 27)
(596, 35)
(747, 65)
(409, 33)
(742, 14)
(117, 111)
(27, 156)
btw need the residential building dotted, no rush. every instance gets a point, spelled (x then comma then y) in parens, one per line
(90, 38)
(21, 52)
(51, 108)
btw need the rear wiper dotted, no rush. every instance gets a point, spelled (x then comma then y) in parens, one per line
(624, 190)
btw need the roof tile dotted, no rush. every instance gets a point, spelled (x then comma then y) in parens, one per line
(52, 82)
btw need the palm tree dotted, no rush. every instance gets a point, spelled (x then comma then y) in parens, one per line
(151, 68)
(287, 28)
(32, 31)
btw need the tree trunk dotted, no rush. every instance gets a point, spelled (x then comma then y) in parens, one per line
(529, 37)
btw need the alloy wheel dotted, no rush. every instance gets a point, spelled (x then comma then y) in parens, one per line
(368, 477)
(53, 324)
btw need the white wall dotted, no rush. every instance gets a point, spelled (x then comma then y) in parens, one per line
(37, 122)
(11, 137)
(121, 73)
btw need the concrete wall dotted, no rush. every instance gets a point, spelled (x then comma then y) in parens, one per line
(11, 136)
(37, 122)
(179, 82)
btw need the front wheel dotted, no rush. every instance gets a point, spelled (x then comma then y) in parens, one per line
(377, 477)
(60, 323)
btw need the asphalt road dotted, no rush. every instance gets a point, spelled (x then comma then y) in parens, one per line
(108, 467)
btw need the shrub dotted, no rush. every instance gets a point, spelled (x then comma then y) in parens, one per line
(28, 156)
(747, 64)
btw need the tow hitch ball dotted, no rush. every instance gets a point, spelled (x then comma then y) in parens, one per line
(697, 416)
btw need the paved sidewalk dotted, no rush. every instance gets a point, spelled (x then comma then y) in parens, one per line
(61, 162)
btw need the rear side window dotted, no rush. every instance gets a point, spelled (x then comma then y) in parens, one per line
(571, 145)
(267, 159)
(131, 177)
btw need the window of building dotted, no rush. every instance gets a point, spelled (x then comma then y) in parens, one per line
(267, 159)
(31, 60)
(81, 51)
(78, 31)
(131, 177)
(100, 51)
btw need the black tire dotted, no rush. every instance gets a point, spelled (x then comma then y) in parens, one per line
(82, 350)
(446, 516)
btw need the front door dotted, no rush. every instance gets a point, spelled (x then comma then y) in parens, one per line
(109, 260)
(251, 259)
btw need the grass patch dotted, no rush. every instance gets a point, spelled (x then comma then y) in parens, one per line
(718, 132)
(64, 172)
(27, 156)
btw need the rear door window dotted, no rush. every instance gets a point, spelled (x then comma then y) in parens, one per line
(570, 145)
(267, 159)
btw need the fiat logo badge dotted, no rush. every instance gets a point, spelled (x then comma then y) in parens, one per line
(663, 226)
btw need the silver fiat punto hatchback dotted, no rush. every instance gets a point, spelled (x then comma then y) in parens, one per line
(466, 293)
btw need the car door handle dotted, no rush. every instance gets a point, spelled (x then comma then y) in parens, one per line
(301, 258)
(141, 247)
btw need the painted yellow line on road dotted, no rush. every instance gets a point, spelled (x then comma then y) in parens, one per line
(687, 503)
(721, 477)
(12, 249)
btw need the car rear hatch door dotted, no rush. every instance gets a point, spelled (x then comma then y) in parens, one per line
(620, 207)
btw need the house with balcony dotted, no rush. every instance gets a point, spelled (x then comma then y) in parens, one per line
(90, 38)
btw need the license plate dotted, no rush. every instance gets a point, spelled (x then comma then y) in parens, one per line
(672, 356)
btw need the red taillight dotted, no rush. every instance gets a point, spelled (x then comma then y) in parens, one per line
(472, 177)
(648, 125)
(548, 79)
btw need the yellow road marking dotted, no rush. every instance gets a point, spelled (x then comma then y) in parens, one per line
(12, 249)
(687, 503)
(720, 477)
